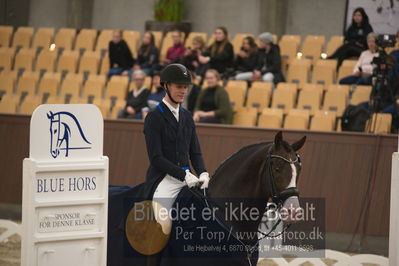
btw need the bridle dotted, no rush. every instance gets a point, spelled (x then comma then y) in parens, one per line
(280, 198)
(277, 198)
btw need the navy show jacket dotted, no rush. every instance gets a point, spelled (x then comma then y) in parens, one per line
(171, 145)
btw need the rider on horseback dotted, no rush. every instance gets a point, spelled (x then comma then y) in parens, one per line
(172, 142)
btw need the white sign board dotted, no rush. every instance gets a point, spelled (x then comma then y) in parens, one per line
(65, 188)
(394, 214)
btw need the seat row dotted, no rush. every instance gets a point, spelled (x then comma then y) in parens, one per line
(93, 40)
(52, 88)
(27, 59)
(286, 96)
(299, 119)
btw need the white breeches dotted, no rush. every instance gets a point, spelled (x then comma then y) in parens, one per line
(164, 196)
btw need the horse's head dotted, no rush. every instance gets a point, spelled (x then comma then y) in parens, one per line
(54, 134)
(284, 169)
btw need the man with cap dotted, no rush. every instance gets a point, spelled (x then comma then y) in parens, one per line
(172, 143)
(269, 62)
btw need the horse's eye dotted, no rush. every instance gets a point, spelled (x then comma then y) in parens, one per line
(277, 169)
(55, 130)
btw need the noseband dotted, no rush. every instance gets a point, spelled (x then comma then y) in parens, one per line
(279, 198)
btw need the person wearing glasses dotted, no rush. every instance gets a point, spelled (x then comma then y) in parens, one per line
(136, 99)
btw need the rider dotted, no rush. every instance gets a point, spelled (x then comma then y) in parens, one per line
(172, 141)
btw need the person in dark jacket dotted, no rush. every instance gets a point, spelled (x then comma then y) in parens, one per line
(213, 104)
(269, 61)
(355, 37)
(172, 143)
(158, 93)
(148, 55)
(120, 57)
(220, 54)
(136, 99)
(247, 59)
(191, 54)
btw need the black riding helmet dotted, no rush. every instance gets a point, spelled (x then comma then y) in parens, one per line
(175, 73)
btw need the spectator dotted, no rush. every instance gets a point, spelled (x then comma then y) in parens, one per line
(220, 54)
(213, 104)
(148, 55)
(156, 96)
(176, 52)
(137, 98)
(355, 37)
(395, 55)
(269, 60)
(120, 58)
(190, 59)
(192, 95)
(364, 69)
(247, 59)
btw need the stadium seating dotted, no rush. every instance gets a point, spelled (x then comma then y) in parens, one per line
(68, 61)
(50, 84)
(237, 41)
(189, 40)
(271, 118)
(361, 94)
(259, 95)
(132, 39)
(22, 37)
(335, 100)
(309, 100)
(65, 38)
(283, 99)
(103, 41)
(245, 117)
(43, 38)
(335, 42)
(46, 61)
(85, 40)
(379, 123)
(236, 91)
(28, 83)
(7, 83)
(297, 119)
(71, 85)
(24, 59)
(312, 47)
(6, 58)
(322, 121)
(8, 104)
(117, 87)
(346, 69)
(93, 87)
(89, 62)
(28, 61)
(5, 35)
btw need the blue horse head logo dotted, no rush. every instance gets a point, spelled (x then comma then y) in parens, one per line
(60, 133)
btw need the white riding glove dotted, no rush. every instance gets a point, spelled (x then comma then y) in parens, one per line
(204, 178)
(191, 180)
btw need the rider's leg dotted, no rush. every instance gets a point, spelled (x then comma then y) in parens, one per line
(164, 197)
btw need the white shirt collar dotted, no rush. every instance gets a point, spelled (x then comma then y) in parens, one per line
(137, 92)
(175, 111)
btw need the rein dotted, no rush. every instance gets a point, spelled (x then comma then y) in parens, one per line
(277, 198)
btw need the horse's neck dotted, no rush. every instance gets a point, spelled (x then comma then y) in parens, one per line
(240, 175)
(241, 178)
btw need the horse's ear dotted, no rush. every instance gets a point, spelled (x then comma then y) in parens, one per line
(49, 115)
(278, 139)
(298, 145)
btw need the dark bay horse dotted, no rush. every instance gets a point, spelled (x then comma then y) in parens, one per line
(247, 180)
(252, 176)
